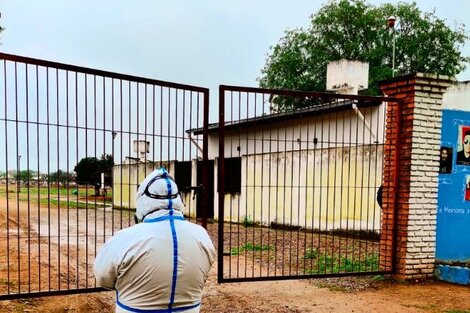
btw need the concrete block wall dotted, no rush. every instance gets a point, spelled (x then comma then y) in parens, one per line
(414, 126)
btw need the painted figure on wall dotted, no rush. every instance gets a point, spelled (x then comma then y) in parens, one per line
(463, 147)
(445, 161)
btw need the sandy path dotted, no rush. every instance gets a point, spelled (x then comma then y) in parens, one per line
(274, 296)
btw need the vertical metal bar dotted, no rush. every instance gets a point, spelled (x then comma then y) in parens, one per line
(113, 136)
(369, 231)
(105, 169)
(299, 189)
(321, 236)
(153, 124)
(306, 188)
(366, 183)
(221, 175)
(130, 143)
(58, 179)
(190, 145)
(145, 127)
(168, 136)
(86, 185)
(357, 186)
(76, 181)
(28, 177)
(328, 186)
(161, 125)
(278, 161)
(362, 192)
(291, 213)
(284, 187)
(175, 157)
(349, 178)
(205, 157)
(247, 187)
(335, 147)
(268, 266)
(18, 180)
(337, 195)
(231, 206)
(122, 150)
(262, 190)
(6, 170)
(254, 180)
(48, 181)
(314, 186)
(39, 187)
(95, 212)
(183, 126)
(68, 176)
(138, 137)
(343, 130)
(377, 172)
(241, 185)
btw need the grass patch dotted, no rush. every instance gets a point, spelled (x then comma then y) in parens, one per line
(5, 282)
(247, 221)
(249, 247)
(53, 191)
(54, 203)
(327, 264)
(311, 254)
(71, 204)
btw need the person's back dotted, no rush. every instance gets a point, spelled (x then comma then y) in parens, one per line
(160, 264)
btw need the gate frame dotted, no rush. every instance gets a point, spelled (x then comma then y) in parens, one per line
(4, 57)
(395, 154)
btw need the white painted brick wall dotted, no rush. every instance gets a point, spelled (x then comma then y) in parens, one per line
(427, 118)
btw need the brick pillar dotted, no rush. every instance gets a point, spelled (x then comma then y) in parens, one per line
(416, 202)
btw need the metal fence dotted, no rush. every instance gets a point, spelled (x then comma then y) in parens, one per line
(77, 142)
(298, 187)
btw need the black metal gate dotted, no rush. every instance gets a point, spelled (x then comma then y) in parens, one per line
(298, 187)
(77, 142)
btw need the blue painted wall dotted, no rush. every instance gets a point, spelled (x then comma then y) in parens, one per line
(453, 215)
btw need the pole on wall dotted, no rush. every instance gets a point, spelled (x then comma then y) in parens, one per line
(391, 24)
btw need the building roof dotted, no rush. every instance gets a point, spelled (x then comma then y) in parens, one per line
(316, 110)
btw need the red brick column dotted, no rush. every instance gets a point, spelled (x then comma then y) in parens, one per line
(408, 234)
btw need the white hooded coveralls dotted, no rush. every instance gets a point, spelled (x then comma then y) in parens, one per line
(159, 265)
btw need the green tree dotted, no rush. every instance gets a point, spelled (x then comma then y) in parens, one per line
(25, 175)
(357, 30)
(89, 170)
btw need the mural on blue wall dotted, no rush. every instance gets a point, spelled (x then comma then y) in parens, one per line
(463, 145)
(453, 215)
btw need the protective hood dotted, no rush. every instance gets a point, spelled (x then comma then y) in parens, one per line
(158, 191)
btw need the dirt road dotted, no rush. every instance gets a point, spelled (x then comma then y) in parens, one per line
(322, 295)
(345, 295)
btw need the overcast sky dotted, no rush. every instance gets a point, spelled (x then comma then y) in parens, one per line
(203, 42)
(198, 42)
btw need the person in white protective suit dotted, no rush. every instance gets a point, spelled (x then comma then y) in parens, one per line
(160, 264)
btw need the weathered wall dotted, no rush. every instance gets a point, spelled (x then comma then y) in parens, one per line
(321, 189)
(126, 179)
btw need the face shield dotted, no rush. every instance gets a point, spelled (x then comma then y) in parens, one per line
(158, 191)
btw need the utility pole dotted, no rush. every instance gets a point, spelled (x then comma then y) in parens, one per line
(391, 24)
